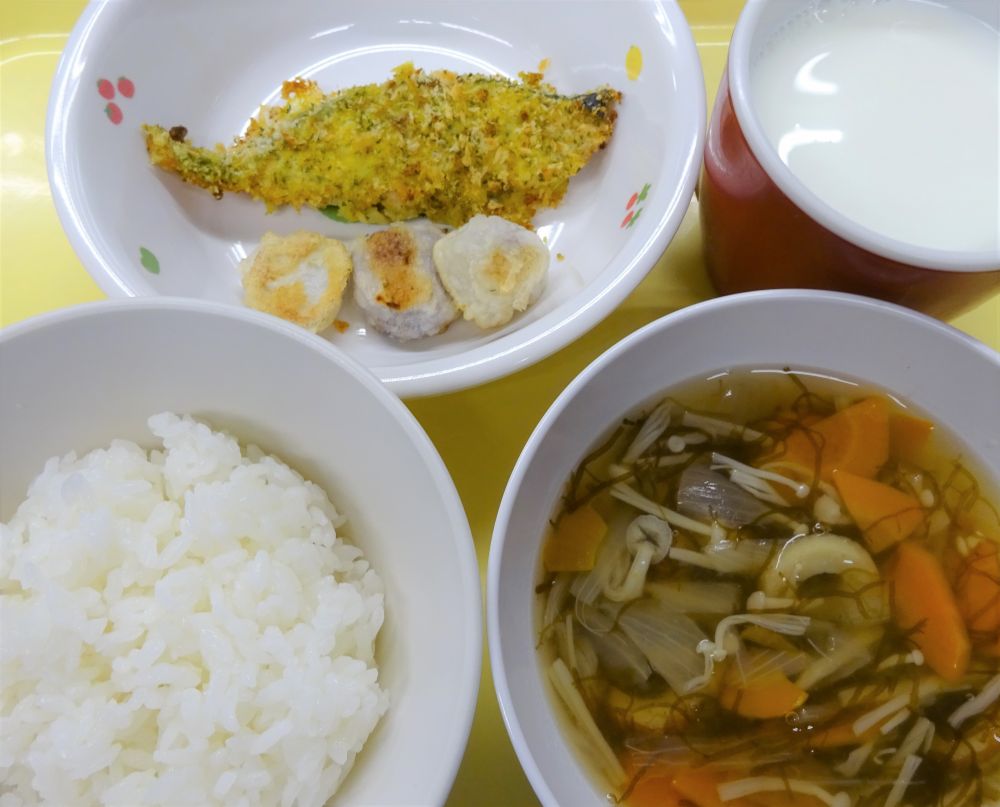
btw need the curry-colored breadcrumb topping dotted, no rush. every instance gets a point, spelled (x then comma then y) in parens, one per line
(439, 145)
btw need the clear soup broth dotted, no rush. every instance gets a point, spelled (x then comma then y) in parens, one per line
(777, 588)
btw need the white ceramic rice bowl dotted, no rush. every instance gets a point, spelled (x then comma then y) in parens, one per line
(78, 378)
(948, 375)
(208, 66)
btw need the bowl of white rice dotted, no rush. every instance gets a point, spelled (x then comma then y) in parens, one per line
(233, 569)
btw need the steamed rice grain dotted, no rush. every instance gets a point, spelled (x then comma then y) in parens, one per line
(182, 627)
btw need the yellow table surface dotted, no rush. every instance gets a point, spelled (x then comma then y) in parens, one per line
(478, 432)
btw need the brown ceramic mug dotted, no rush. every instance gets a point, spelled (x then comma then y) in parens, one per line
(763, 228)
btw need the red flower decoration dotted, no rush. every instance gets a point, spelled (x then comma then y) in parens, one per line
(114, 113)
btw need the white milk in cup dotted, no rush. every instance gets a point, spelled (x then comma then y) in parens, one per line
(889, 112)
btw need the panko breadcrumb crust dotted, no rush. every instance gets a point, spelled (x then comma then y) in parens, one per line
(441, 145)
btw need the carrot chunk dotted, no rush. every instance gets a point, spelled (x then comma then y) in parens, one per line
(766, 638)
(766, 696)
(908, 435)
(842, 734)
(837, 736)
(885, 515)
(700, 786)
(855, 439)
(977, 587)
(654, 790)
(992, 649)
(572, 546)
(924, 604)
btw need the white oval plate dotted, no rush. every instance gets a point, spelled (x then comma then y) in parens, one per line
(208, 66)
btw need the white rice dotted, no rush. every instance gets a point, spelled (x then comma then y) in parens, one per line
(182, 627)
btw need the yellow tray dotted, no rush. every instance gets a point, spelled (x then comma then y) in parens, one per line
(478, 432)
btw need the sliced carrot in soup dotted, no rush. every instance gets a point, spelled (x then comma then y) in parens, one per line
(841, 734)
(654, 790)
(701, 787)
(855, 439)
(767, 638)
(977, 587)
(766, 696)
(992, 649)
(885, 515)
(908, 435)
(924, 604)
(781, 799)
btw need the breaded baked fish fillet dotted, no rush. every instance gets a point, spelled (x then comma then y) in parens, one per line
(439, 145)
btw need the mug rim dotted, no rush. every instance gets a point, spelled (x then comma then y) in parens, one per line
(738, 73)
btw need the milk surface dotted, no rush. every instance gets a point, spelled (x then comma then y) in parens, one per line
(889, 111)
